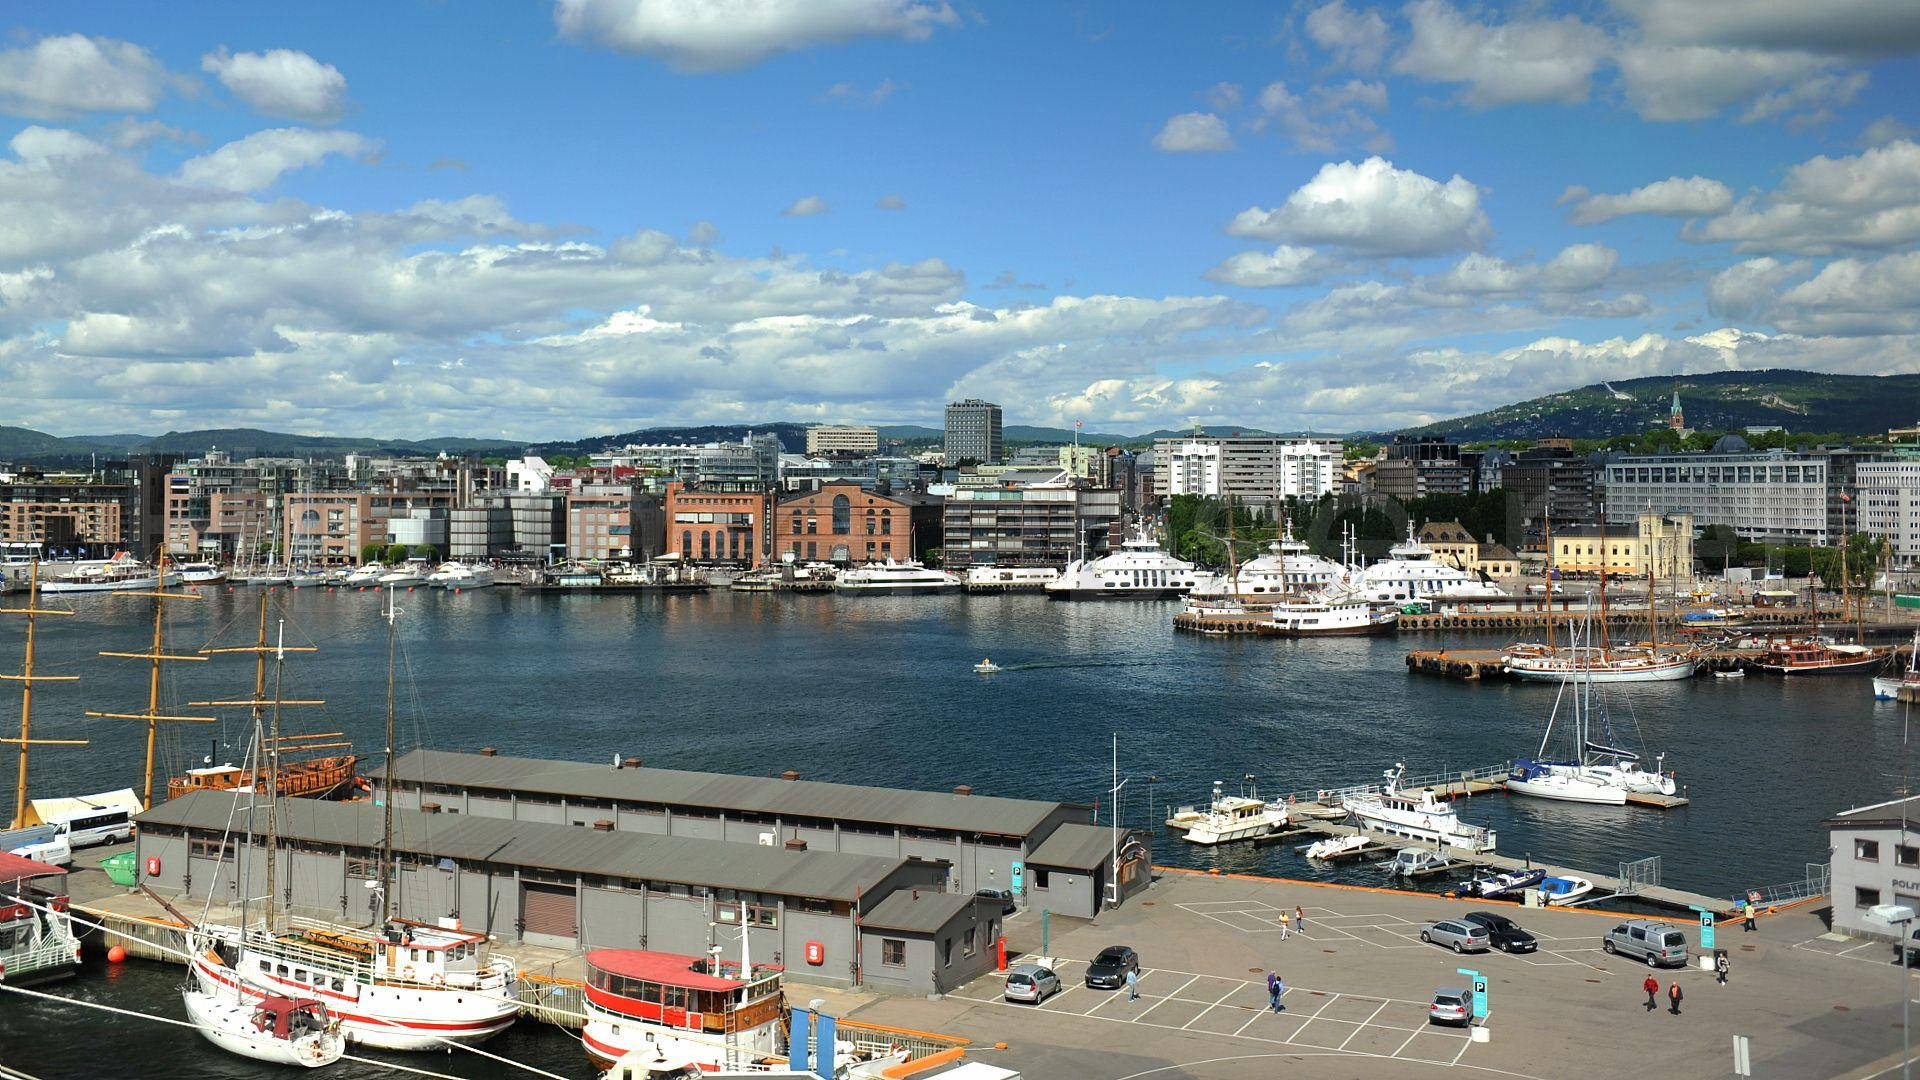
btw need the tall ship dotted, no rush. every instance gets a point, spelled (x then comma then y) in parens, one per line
(1887, 687)
(1410, 572)
(1289, 568)
(907, 576)
(1140, 570)
(1420, 816)
(1603, 662)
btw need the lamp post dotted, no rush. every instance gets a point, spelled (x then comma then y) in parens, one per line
(1901, 916)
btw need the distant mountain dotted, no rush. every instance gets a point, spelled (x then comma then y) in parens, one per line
(25, 444)
(1713, 401)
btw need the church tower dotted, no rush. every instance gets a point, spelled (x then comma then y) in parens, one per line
(1676, 419)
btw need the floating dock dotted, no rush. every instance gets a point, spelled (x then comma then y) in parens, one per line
(1472, 665)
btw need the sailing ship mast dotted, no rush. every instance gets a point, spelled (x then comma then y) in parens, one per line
(1549, 575)
(155, 656)
(386, 824)
(26, 679)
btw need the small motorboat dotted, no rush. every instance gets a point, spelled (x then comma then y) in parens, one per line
(986, 667)
(285, 1031)
(1493, 885)
(1413, 861)
(1561, 891)
(1736, 673)
(1333, 847)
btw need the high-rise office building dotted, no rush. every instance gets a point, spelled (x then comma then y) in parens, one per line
(973, 432)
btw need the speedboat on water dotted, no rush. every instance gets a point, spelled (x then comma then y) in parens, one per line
(1565, 889)
(1496, 885)
(986, 666)
(201, 573)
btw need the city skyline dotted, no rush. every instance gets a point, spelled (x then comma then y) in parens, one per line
(547, 220)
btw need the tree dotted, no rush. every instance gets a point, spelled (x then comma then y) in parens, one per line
(425, 551)
(1718, 546)
(370, 553)
(396, 553)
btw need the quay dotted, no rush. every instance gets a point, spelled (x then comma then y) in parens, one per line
(1255, 621)
(1472, 665)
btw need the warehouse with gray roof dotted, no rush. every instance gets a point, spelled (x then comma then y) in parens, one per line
(578, 888)
(1048, 854)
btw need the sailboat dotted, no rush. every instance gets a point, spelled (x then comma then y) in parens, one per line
(1604, 662)
(1597, 772)
(398, 985)
(1887, 687)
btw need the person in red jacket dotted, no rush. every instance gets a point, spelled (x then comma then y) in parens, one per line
(1652, 987)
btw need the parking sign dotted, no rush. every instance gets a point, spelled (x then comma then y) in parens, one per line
(1016, 874)
(1706, 929)
(1480, 998)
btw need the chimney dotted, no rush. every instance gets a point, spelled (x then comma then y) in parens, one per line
(603, 825)
(488, 751)
(630, 763)
(963, 789)
(796, 844)
(790, 774)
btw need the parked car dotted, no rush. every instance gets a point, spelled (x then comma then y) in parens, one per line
(1656, 943)
(1031, 983)
(1451, 1005)
(1007, 906)
(1109, 970)
(1456, 935)
(1503, 933)
(1912, 957)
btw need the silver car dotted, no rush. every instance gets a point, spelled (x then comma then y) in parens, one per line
(1457, 935)
(1031, 983)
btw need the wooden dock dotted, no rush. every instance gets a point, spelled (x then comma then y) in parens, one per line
(1472, 665)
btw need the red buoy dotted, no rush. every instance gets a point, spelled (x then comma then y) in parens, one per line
(116, 954)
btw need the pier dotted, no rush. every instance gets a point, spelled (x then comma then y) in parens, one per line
(1473, 665)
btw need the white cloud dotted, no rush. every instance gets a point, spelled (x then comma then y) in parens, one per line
(890, 202)
(1356, 39)
(1225, 96)
(1192, 133)
(1856, 27)
(61, 76)
(1327, 116)
(703, 234)
(805, 206)
(1809, 102)
(1746, 290)
(129, 132)
(1676, 196)
(1885, 130)
(261, 158)
(1373, 208)
(1521, 60)
(281, 82)
(1285, 265)
(37, 145)
(852, 94)
(1847, 298)
(1579, 267)
(1869, 200)
(1693, 82)
(698, 37)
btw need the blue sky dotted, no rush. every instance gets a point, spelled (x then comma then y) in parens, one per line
(545, 219)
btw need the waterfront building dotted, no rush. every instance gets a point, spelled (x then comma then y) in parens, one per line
(328, 528)
(722, 522)
(1063, 860)
(607, 520)
(530, 475)
(1044, 523)
(1454, 546)
(585, 886)
(1549, 480)
(848, 439)
(973, 432)
(1769, 496)
(1413, 468)
(73, 515)
(1873, 859)
(845, 523)
(1888, 504)
(1664, 541)
(1250, 469)
(1843, 465)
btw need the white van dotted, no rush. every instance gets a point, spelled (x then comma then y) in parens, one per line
(102, 825)
(43, 843)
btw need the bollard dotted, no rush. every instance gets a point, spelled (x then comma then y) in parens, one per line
(1000, 951)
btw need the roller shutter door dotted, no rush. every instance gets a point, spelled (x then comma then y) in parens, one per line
(547, 911)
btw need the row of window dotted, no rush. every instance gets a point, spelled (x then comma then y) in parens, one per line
(1903, 854)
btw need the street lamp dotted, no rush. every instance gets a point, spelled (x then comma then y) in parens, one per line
(1900, 915)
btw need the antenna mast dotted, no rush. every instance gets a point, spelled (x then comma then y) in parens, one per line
(155, 656)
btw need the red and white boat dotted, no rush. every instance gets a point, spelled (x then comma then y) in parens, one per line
(36, 930)
(409, 986)
(1812, 656)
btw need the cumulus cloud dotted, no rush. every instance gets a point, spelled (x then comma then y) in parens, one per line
(1284, 265)
(281, 82)
(1690, 196)
(852, 93)
(805, 206)
(1870, 200)
(1193, 133)
(1327, 116)
(1809, 102)
(1850, 27)
(61, 76)
(1355, 39)
(261, 158)
(1847, 297)
(1693, 82)
(697, 37)
(1374, 208)
(1521, 60)
(1225, 96)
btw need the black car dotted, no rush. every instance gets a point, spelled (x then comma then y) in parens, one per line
(1007, 906)
(1506, 935)
(1109, 970)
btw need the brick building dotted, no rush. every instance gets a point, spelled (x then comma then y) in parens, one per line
(328, 528)
(722, 522)
(63, 515)
(844, 523)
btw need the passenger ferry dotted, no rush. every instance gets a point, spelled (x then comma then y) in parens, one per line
(1138, 571)
(1410, 572)
(36, 931)
(1325, 618)
(896, 577)
(1010, 578)
(1288, 568)
(1419, 817)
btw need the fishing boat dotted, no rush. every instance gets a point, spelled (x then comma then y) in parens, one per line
(1562, 890)
(1230, 818)
(986, 666)
(1333, 847)
(276, 1029)
(1420, 816)
(1887, 687)
(1491, 886)
(1138, 571)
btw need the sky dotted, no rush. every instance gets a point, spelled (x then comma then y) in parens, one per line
(558, 218)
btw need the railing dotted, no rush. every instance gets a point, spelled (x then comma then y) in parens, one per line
(880, 1039)
(1815, 884)
(1443, 779)
(48, 950)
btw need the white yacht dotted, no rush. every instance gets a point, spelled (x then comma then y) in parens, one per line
(1235, 817)
(1329, 618)
(406, 575)
(364, 576)
(468, 576)
(1138, 571)
(1010, 578)
(895, 577)
(1410, 572)
(122, 573)
(201, 573)
(1288, 568)
(1420, 816)
(281, 1030)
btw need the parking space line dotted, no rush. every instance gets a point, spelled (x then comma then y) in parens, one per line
(1167, 998)
(1409, 1042)
(1232, 991)
(1363, 1026)
(1064, 991)
(1249, 1023)
(1316, 1015)
(1103, 1001)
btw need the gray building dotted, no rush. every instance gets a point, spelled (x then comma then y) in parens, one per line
(1873, 858)
(973, 432)
(1037, 525)
(573, 887)
(1770, 496)
(980, 838)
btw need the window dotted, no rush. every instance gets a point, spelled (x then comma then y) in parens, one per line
(1867, 850)
(946, 951)
(893, 952)
(842, 514)
(1040, 879)
(768, 917)
(1864, 897)
(1906, 855)
(966, 945)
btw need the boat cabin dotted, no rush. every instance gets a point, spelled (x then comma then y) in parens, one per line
(685, 992)
(437, 955)
(36, 932)
(289, 1018)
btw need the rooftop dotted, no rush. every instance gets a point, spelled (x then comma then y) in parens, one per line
(721, 791)
(918, 911)
(1074, 846)
(1893, 812)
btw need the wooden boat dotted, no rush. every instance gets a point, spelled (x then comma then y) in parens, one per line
(1808, 656)
(316, 778)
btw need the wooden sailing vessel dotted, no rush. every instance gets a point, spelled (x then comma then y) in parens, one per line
(27, 679)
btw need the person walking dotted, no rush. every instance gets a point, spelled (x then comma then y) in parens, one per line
(1299, 918)
(1133, 985)
(1720, 966)
(1273, 991)
(1652, 987)
(1279, 991)
(1747, 911)
(1673, 997)
(1283, 925)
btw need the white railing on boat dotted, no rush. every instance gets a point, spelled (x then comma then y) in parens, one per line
(1335, 796)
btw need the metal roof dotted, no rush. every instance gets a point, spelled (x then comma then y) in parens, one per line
(919, 911)
(1894, 813)
(827, 875)
(722, 791)
(1076, 846)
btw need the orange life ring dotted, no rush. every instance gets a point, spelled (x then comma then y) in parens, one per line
(406, 973)
(436, 979)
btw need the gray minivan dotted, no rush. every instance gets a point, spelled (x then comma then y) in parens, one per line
(1657, 944)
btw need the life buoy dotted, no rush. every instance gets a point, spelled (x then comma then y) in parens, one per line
(436, 979)
(406, 973)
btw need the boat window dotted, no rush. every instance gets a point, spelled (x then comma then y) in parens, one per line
(338, 985)
(280, 970)
(675, 997)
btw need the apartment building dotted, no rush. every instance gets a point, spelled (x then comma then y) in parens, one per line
(830, 439)
(973, 432)
(329, 528)
(1043, 524)
(62, 514)
(1887, 504)
(1251, 469)
(1412, 468)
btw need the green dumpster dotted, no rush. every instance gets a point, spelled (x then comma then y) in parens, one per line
(122, 869)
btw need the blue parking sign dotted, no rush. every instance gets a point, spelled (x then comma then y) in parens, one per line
(1706, 929)
(1017, 876)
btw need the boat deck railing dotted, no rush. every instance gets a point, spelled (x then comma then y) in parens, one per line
(46, 950)
(1443, 781)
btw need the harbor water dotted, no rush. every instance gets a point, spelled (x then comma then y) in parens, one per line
(880, 690)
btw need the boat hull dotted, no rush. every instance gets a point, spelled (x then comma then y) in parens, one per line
(1838, 667)
(123, 585)
(1669, 671)
(1885, 689)
(384, 1016)
(227, 1025)
(1116, 594)
(1563, 789)
(891, 590)
(1368, 629)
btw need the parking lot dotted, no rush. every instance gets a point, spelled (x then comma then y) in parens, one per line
(1390, 931)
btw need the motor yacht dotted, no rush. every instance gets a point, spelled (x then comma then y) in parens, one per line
(1329, 618)
(1138, 571)
(1235, 817)
(1418, 816)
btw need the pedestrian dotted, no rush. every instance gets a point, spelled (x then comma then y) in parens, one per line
(1279, 991)
(1720, 966)
(1299, 918)
(1283, 926)
(1133, 985)
(1673, 997)
(1652, 987)
(1273, 991)
(1747, 910)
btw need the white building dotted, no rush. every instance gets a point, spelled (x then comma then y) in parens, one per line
(754, 459)
(1251, 469)
(1887, 504)
(1771, 496)
(529, 475)
(842, 439)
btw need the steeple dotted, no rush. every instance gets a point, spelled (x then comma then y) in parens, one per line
(1676, 419)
